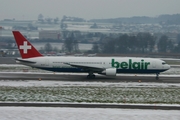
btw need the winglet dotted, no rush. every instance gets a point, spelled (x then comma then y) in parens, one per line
(26, 49)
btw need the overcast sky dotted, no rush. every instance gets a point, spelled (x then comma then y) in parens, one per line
(88, 9)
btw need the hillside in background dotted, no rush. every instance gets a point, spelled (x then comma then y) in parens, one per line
(162, 19)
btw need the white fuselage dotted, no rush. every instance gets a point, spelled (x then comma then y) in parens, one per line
(98, 64)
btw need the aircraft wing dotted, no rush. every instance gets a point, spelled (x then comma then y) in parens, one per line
(86, 67)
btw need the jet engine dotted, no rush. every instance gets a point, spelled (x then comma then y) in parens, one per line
(109, 72)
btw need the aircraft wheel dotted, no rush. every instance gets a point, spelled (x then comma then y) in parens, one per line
(93, 76)
(90, 76)
(157, 76)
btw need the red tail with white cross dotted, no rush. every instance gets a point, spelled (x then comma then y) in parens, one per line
(26, 49)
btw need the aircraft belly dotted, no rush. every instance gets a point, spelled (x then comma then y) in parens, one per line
(79, 70)
(140, 71)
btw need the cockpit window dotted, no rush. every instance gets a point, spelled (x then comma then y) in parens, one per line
(163, 63)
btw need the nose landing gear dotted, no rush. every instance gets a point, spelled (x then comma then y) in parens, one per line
(157, 76)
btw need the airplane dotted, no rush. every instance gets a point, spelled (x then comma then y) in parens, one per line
(79, 54)
(61, 54)
(109, 66)
(92, 55)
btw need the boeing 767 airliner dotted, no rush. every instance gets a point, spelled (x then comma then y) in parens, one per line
(108, 66)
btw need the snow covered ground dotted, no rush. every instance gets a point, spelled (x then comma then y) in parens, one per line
(44, 113)
(90, 92)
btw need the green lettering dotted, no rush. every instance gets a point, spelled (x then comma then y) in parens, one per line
(142, 64)
(130, 63)
(115, 64)
(146, 65)
(124, 65)
(136, 65)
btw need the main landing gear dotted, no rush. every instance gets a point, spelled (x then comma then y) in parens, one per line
(90, 76)
(157, 76)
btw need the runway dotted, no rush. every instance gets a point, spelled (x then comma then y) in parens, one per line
(82, 77)
(74, 105)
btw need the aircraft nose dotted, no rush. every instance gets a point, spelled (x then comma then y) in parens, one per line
(168, 66)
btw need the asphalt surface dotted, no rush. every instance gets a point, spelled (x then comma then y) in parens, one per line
(72, 77)
(7, 60)
(155, 107)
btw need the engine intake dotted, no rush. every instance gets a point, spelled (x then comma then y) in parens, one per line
(109, 72)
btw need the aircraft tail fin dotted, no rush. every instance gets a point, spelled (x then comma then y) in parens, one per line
(26, 49)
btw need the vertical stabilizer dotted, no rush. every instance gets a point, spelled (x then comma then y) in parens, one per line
(26, 49)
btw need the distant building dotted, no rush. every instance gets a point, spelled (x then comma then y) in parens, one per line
(50, 34)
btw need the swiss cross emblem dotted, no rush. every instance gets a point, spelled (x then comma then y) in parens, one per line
(25, 47)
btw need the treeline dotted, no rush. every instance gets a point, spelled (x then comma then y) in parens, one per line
(140, 43)
(124, 44)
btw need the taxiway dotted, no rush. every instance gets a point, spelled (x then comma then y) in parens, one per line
(82, 77)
